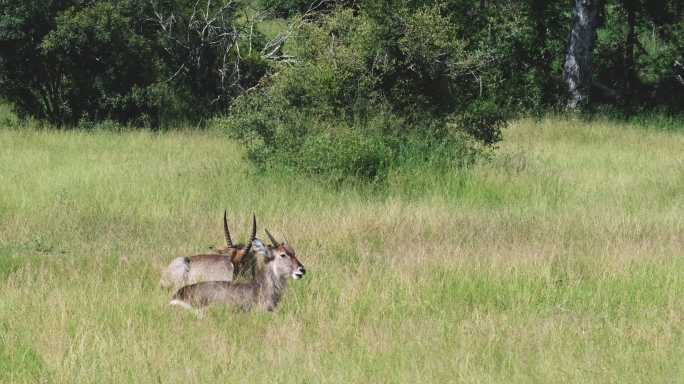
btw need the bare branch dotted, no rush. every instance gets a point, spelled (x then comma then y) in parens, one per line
(208, 34)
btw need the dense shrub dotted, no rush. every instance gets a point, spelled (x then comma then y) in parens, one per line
(104, 62)
(28, 76)
(367, 95)
(85, 62)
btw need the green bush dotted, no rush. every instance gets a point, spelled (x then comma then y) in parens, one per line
(483, 120)
(368, 96)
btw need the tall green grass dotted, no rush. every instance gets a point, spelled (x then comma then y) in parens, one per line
(560, 260)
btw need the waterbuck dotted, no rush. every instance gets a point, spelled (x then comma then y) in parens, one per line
(264, 292)
(231, 261)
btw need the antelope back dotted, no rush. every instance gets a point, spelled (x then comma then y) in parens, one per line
(210, 267)
(193, 269)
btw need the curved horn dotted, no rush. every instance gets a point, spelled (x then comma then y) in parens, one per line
(226, 232)
(253, 236)
(273, 240)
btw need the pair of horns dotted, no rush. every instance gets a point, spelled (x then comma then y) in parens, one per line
(226, 231)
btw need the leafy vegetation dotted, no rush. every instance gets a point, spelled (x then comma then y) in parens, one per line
(146, 61)
(134, 62)
(350, 108)
(341, 89)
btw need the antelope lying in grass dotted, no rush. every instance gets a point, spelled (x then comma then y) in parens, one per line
(232, 261)
(264, 292)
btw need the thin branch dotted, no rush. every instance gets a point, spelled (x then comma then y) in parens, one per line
(175, 74)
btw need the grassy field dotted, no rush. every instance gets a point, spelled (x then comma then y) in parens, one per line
(559, 261)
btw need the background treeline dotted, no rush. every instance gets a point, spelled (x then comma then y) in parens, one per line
(131, 61)
(342, 88)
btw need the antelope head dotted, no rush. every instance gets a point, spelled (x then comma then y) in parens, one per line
(283, 255)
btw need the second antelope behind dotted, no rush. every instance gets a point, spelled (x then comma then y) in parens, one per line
(265, 292)
(231, 261)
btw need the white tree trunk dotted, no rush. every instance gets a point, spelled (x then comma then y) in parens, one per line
(577, 67)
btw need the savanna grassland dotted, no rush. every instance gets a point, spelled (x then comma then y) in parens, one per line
(560, 260)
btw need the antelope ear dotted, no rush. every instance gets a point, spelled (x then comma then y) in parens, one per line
(258, 245)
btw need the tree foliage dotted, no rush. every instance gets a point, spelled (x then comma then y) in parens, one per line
(132, 61)
(145, 62)
(102, 68)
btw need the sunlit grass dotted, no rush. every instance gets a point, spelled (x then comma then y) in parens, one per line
(558, 261)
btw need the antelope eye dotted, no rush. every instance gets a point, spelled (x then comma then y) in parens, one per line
(282, 255)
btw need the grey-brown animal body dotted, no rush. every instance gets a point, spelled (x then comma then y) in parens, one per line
(264, 292)
(227, 264)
